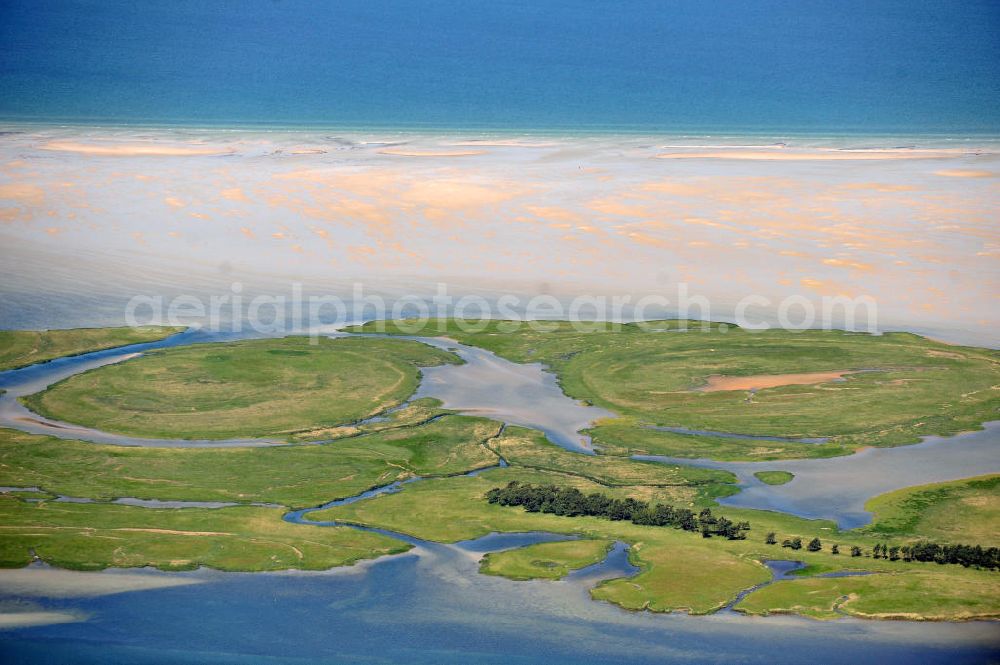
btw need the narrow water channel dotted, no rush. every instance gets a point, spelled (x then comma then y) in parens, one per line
(528, 395)
(837, 488)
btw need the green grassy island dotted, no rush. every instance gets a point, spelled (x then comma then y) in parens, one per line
(19, 348)
(547, 561)
(313, 396)
(255, 388)
(883, 390)
(774, 477)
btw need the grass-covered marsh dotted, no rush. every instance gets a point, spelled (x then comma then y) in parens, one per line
(253, 388)
(19, 348)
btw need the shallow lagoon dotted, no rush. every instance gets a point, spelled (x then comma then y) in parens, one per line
(837, 488)
(516, 393)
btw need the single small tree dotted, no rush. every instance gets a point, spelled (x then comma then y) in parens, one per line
(771, 538)
(815, 545)
(786, 542)
(796, 543)
(855, 550)
(893, 554)
(835, 549)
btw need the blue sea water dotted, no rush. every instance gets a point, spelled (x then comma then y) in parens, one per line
(899, 66)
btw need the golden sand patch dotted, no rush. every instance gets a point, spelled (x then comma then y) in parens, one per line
(457, 194)
(844, 263)
(234, 194)
(946, 354)
(965, 173)
(832, 155)
(25, 194)
(718, 382)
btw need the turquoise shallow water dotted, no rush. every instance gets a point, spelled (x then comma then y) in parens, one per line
(685, 65)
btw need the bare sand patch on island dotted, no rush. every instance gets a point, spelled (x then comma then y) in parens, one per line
(717, 382)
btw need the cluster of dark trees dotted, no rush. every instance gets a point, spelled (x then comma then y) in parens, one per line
(572, 502)
(796, 543)
(965, 555)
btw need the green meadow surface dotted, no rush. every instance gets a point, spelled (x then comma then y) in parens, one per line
(774, 477)
(953, 594)
(253, 388)
(679, 571)
(549, 561)
(19, 348)
(93, 537)
(528, 448)
(961, 511)
(297, 476)
(630, 436)
(411, 413)
(904, 386)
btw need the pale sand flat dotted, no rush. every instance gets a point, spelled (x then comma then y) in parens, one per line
(27, 619)
(965, 173)
(812, 156)
(133, 149)
(718, 382)
(38, 581)
(505, 143)
(431, 153)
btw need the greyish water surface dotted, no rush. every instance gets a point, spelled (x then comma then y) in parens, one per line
(838, 487)
(432, 606)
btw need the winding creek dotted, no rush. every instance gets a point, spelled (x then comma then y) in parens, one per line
(528, 395)
(430, 605)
